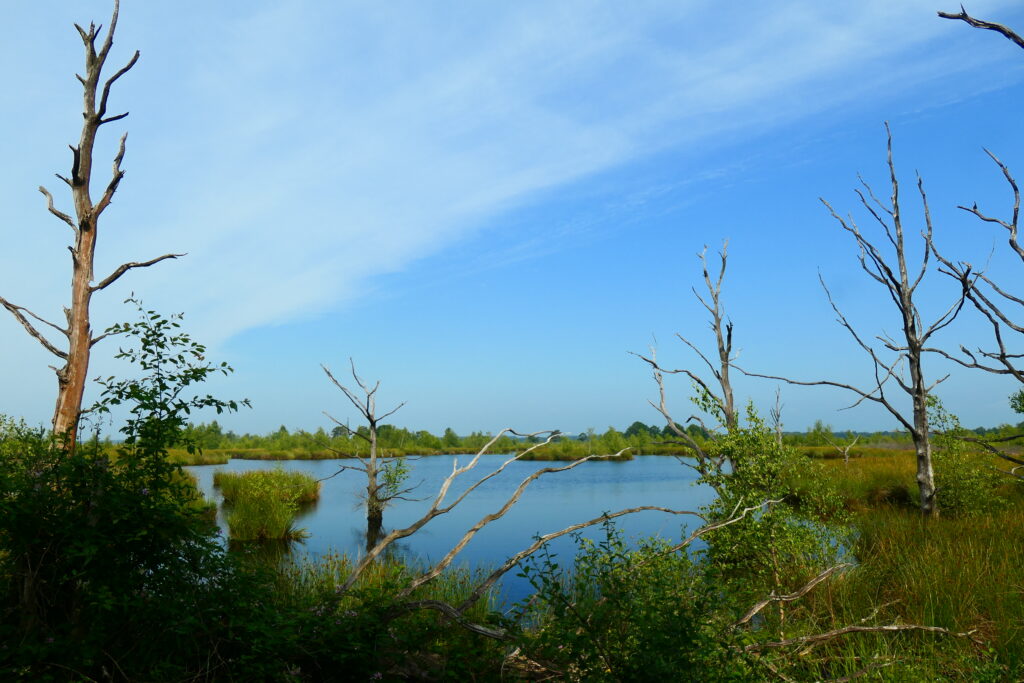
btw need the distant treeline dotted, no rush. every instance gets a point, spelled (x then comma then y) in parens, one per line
(218, 445)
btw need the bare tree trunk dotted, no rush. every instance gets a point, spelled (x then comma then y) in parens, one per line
(921, 437)
(374, 504)
(71, 377)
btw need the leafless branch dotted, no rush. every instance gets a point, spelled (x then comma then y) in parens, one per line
(444, 562)
(102, 109)
(16, 311)
(864, 395)
(846, 630)
(704, 462)
(963, 16)
(55, 211)
(802, 591)
(115, 180)
(125, 267)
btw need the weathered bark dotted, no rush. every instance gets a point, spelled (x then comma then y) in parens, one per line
(71, 377)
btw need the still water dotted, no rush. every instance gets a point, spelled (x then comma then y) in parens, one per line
(552, 502)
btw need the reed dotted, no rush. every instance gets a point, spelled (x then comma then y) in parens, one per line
(262, 504)
(298, 487)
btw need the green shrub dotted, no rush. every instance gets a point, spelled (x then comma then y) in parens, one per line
(626, 615)
(966, 482)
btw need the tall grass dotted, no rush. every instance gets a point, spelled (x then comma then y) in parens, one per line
(298, 487)
(958, 572)
(963, 574)
(262, 504)
(868, 482)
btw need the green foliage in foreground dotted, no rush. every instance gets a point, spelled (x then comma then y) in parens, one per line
(628, 615)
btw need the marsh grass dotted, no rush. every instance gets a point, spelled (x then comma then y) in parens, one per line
(206, 508)
(180, 456)
(262, 504)
(865, 483)
(298, 487)
(958, 573)
(877, 451)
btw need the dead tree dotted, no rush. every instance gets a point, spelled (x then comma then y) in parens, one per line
(71, 377)
(719, 399)
(894, 274)
(379, 494)
(844, 450)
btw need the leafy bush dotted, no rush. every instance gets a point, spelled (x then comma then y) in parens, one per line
(797, 527)
(645, 614)
(965, 481)
(100, 547)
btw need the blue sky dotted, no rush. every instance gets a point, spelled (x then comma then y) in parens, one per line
(489, 205)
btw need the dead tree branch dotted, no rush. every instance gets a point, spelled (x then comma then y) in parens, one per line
(125, 267)
(796, 595)
(963, 16)
(846, 630)
(17, 311)
(378, 494)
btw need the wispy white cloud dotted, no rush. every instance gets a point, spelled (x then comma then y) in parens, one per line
(305, 147)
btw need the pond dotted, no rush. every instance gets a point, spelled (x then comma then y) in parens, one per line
(552, 502)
